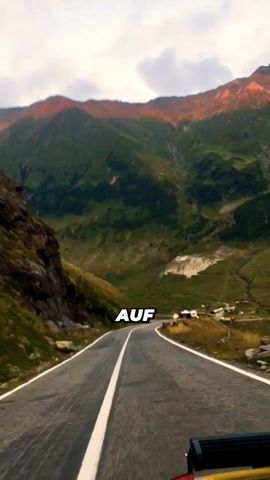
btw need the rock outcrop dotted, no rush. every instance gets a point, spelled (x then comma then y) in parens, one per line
(30, 265)
(66, 346)
(260, 354)
(190, 265)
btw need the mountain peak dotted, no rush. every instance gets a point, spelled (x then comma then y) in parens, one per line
(241, 93)
(263, 70)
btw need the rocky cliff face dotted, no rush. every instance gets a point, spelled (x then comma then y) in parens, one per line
(30, 266)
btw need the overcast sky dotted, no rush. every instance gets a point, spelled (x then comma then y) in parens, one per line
(131, 50)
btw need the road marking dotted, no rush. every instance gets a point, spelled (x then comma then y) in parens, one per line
(5, 395)
(214, 360)
(92, 455)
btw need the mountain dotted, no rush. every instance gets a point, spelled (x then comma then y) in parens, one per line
(40, 302)
(136, 191)
(250, 92)
(31, 269)
(127, 195)
(101, 179)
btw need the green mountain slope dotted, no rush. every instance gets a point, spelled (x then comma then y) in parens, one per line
(100, 182)
(127, 195)
(71, 161)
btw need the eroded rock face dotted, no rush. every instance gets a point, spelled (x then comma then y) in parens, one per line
(190, 265)
(30, 265)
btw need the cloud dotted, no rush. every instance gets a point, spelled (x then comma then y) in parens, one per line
(51, 77)
(168, 75)
(93, 48)
(254, 63)
(9, 92)
(54, 78)
(209, 18)
(81, 89)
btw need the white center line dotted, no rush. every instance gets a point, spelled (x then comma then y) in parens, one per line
(92, 455)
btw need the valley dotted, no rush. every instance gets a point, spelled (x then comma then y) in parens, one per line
(134, 240)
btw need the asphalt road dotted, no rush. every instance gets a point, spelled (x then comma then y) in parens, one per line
(164, 396)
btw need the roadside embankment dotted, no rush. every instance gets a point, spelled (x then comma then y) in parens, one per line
(249, 344)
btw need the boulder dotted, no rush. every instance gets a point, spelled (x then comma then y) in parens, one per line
(261, 362)
(265, 348)
(50, 341)
(52, 326)
(34, 356)
(265, 354)
(265, 340)
(66, 346)
(81, 326)
(251, 353)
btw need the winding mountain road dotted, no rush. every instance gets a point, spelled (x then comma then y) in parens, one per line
(163, 396)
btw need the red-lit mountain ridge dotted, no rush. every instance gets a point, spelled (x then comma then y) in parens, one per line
(249, 92)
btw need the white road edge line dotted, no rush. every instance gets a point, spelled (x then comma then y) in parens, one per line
(42, 374)
(214, 360)
(90, 463)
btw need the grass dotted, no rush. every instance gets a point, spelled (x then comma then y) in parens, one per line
(257, 274)
(21, 334)
(244, 275)
(261, 327)
(167, 293)
(105, 297)
(239, 160)
(27, 342)
(111, 252)
(214, 338)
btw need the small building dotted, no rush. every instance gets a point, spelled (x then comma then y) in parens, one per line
(189, 314)
(217, 310)
(229, 309)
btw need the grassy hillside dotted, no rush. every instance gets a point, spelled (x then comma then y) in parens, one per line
(250, 220)
(23, 343)
(125, 196)
(242, 276)
(72, 163)
(106, 298)
(27, 342)
(39, 301)
(216, 339)
(99, 182)
(169, 293)
(256, 272)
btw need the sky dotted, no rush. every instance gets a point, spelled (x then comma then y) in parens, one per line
(130, 50)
